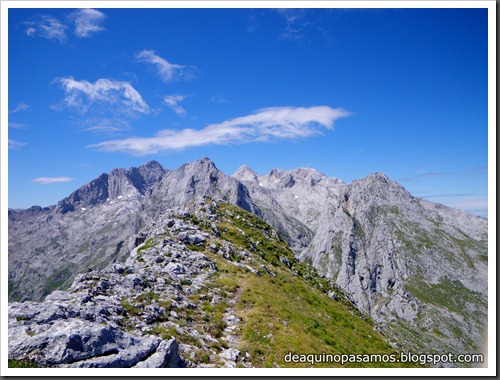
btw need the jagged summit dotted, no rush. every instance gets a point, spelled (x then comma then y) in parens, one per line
(400, 259)
(377, 177)
(153, 164)
(196, 180)
(151, 172)
(118, 183)
(378, 188)
(245, 173)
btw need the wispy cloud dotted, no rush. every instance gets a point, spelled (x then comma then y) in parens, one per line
(267, 124)
(166, 70)
(219, 98)
(478, 170)
(47, 27)
(295, 23)
(105, 106)
(20, 107)
(253, 23)
(87, 22)
(103, 124)
(476, 204)
(300, 25)
(458, 195)
(16, 125)
(418, 177)
(172, 101)
(49, 180)
(13, 144)
(81, 95)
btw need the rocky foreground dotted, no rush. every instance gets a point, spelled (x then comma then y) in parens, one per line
(209, 286)
(125, 314)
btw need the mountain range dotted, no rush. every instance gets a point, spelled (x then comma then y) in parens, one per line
(416, 269)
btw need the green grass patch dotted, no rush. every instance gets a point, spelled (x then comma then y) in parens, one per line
(13, 363)
(163, 332)
(449, 294)
(286, 314)
(252, 233)
(291, 313)
(196, 248)
(147, 244)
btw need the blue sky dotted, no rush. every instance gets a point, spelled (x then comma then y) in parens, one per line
(346, 91)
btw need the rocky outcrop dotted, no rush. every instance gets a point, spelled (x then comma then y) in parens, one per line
(292, 201)
(129, 314)
(56, 334)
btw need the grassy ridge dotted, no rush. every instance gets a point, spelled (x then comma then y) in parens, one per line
(288, 311)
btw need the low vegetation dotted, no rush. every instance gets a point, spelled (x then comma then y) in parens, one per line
(288, 309)
(13, 363)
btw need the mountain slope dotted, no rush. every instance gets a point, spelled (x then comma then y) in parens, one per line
(93, 226)
(418, 269)
(214, 284)
(406, 262)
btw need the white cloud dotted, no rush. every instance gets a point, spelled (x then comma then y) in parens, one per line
(49, 180)
(172, 101)
(264, 125)
(81, 95)
(47, 27)
(20, 107)
(87, 22)
(13, 144)
(167, 71)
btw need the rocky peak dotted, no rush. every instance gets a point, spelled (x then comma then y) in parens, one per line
(197, 171)
(378, 188)
(152, 165)
(204, 162)
(196, 180)
(89, 194)
(376, 179)
(118, 183)
(245, 173)
(152, 172)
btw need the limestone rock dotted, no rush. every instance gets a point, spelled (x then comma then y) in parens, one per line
(400, 259)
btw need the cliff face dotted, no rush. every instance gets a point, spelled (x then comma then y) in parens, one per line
(417, 268)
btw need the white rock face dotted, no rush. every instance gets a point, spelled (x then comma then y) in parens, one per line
(414, 266)
(292, 201)
(195, 181)
(401, 259)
